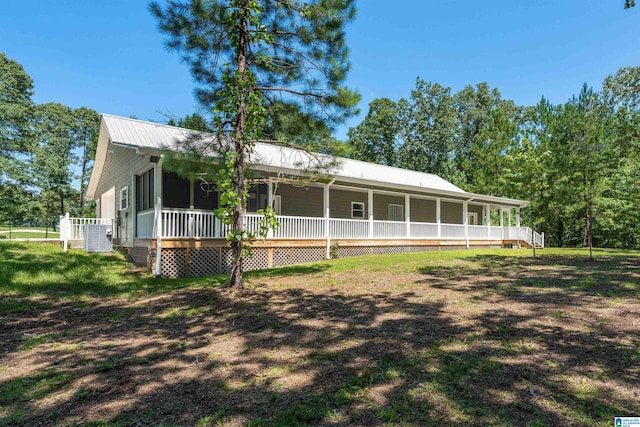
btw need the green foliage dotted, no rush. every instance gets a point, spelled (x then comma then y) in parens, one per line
(85, 132)
(16, 110)
(52, 155)
(16, 89)
(576, 162)
(427, 127)
(376, 138)
(37, 146)
(248, 56)
(193, 121)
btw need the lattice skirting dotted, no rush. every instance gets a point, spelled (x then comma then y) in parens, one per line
(207, 261)
(297, 255)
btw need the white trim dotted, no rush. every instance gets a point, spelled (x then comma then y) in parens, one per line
(277, 204)
(473, 215)
(363, 210)
(124, 198)
(397, 207)
(158, 213)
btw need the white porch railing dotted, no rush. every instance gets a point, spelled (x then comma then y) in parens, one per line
(389, 230)
(177, 223)
(452, 231)
(423, 230)
(77, 225)
(348, 228)
(145, 224)
(72, 228)
(296, 227)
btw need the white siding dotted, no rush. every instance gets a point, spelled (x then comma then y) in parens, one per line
(120, 165)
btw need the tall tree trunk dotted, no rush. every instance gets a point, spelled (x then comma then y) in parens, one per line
(236, 279)
(589, 240)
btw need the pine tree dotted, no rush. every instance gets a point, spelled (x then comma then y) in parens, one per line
(248, 54)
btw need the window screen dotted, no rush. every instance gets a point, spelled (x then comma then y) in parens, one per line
(205, 195)
(145, 191)
(176, 191)
(395, 212)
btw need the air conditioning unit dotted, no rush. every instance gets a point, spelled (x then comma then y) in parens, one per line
(96, 239)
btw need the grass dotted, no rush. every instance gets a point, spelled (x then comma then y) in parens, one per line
(27, 233)
(478, 337)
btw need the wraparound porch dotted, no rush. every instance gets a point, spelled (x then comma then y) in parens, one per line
(191, 224)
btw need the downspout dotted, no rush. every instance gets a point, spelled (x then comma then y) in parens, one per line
(327, 228)
(159, 216)
(466, 221)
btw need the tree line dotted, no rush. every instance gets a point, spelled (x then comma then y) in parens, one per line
(576, 162)
(46, 153)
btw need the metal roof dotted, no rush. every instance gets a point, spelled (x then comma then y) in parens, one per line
(152, 137)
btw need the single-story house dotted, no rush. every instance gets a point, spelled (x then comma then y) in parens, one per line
(166, 221)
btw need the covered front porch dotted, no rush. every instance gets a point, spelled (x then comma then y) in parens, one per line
(188, 224)
(330, 212)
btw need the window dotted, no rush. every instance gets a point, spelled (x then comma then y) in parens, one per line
(124, 198)
(473, 218)
(145, 191)
(395, 212)
(257, 198)
(357, 210)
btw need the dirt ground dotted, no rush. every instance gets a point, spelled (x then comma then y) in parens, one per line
(489, 340)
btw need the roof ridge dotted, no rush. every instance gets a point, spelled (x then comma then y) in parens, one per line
(146, 122)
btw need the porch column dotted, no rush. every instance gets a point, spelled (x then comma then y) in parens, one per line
(133, 196)
(370, 211)
(438, 217)
(270, 204)
(158, 213)
(502, 222)
(518, 217)
(407, 213)
(325, 207)
(487, 219)
(465, 219)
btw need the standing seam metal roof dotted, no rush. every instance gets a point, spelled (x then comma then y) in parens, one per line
(147, 135)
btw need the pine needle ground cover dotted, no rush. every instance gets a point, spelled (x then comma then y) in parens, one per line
(489, 337)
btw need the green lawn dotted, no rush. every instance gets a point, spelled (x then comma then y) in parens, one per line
(27, 233)
(479, 337)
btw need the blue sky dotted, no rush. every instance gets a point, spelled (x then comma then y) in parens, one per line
(109, 55)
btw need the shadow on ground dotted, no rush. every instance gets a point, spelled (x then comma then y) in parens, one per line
(499, 341)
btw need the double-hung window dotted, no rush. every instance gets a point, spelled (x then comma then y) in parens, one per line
(357, 210)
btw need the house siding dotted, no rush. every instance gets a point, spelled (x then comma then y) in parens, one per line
(301, 201)
(381, 204)
(119, 167)
(340, 203)
(423, 210)
(451, 213)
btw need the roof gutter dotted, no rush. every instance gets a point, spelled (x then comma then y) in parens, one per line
(466, 221)
(158, 271)
(327, 227)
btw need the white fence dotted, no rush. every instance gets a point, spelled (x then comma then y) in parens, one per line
(179, 223)
(73, 228)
